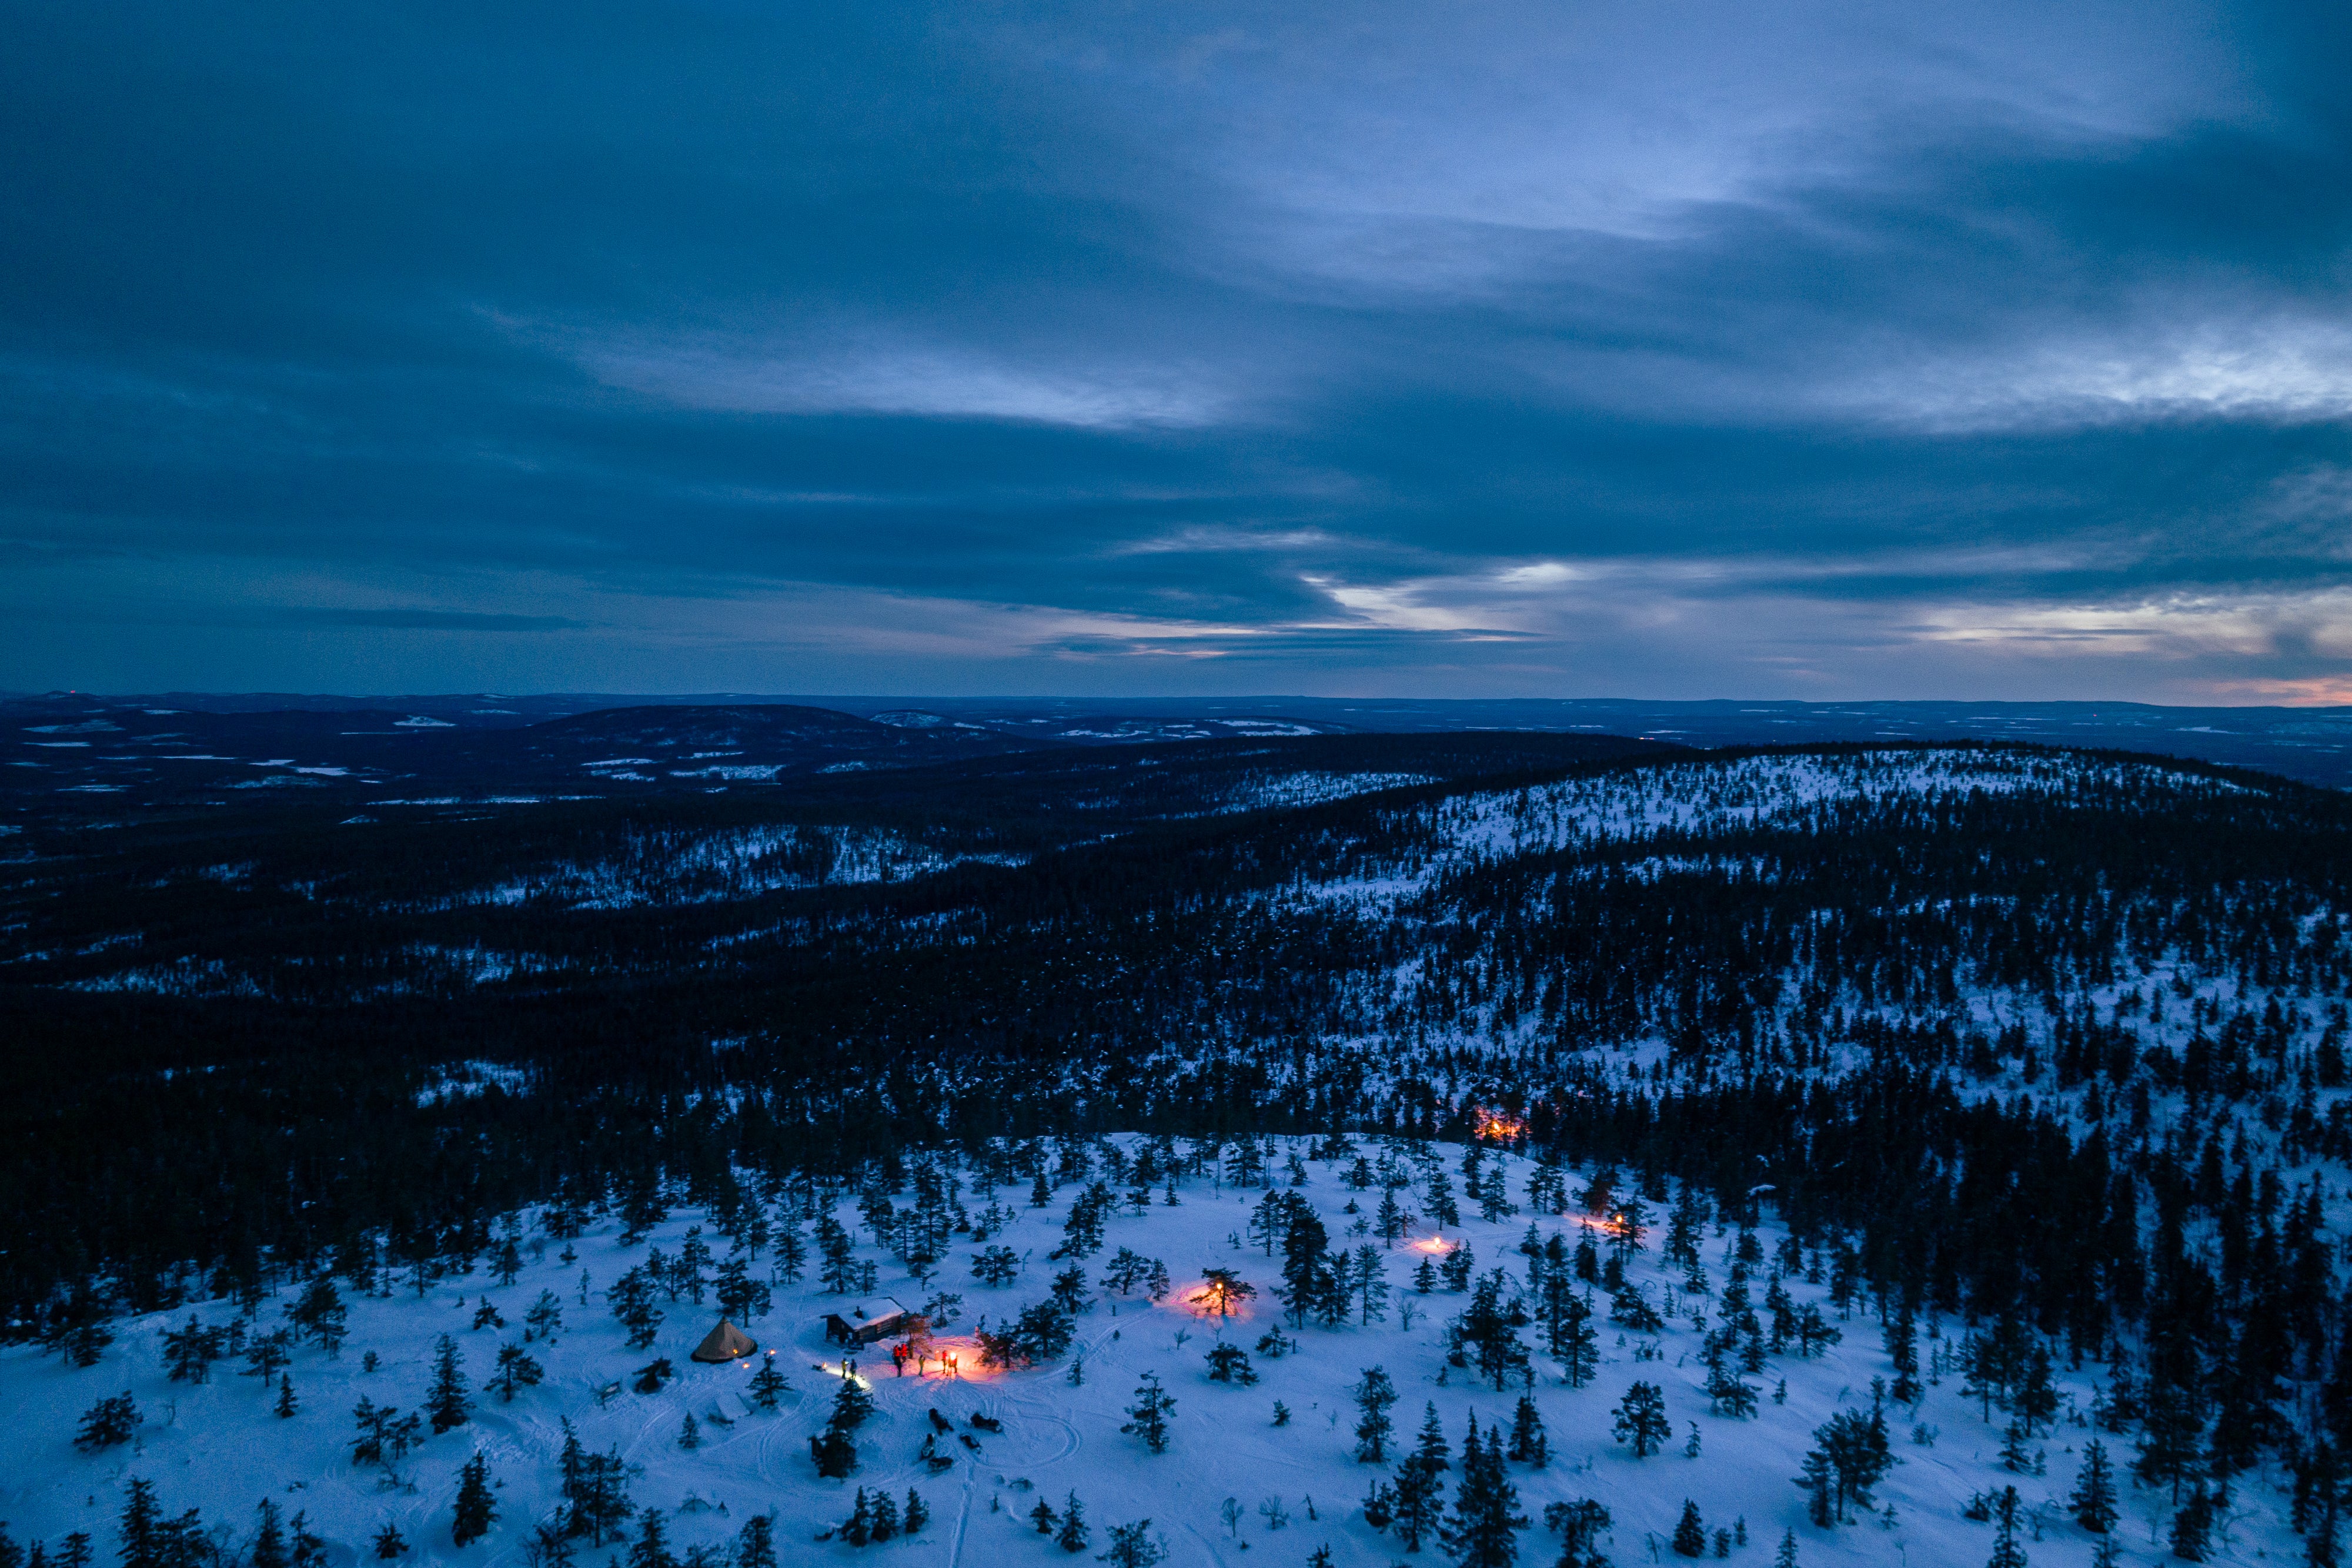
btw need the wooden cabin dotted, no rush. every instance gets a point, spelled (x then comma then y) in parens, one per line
(867, 1322)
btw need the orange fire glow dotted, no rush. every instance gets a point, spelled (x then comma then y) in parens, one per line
(1208, 1299)
(955, 1359)
(1437, 1244)
(1498, 1127)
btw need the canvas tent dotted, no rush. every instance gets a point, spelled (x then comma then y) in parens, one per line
(725, 1343)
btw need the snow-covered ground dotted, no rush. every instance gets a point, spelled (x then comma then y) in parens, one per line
(219, 1446)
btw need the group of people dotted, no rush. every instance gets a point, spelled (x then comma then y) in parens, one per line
(907, 1351)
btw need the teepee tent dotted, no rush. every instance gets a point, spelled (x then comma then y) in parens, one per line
(725, 1343)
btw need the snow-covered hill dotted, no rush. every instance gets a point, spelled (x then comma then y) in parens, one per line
(220, 1448)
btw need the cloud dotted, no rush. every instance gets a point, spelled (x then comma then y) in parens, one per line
(430, 620)
(1647, 349)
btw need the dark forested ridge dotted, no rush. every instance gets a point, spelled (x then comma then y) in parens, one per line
(2054, 1042)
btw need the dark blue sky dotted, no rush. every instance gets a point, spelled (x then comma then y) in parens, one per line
(1658, 349)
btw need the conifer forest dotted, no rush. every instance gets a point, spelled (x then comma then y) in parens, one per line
(1491, 1149)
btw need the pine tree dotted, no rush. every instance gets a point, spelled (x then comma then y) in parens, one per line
(632, 1300)
(2092, 1500)
(1903, 1350)
(2017, 1447)
(2192, 1527)
(1581, 1525)
(1374, 1394)
(912, 1520)
(269, 1547)
(755, 1544)
(1641, 1421)
(1569, 1333)
(141, 1526)
(1420, 1495)
(884, 1516)
(107, 1423)
(768, 1384)
(1483, 1531)
(518, 1369)
(1787, 1556)
(1690, 1533)
(1074, 1534)
(1227, 1363)
(1132, 1545)
(1044, 1517)
(2005, 1552)
(651, 1548)
(852, 1405)
(305, 1548)
(1529, 1446)
(1432, 1447)
(834, 1453)
(689, 1434)
(389, 1543)
(450, 1404)
(860, 1529)
(2169, 1451)
(286, 1406)
(1148, 1417)
(477, 1508)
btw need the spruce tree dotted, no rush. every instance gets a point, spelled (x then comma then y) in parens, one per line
(1148, 1417)
(269, 1547)
(1374, 1394)
(1690, 1532)
(2092, 1500)
(768, 1384)
(852, 1405)
(1482, 1531)
(1132, 1544)
(2192, 1527)
(1430, 1448)
(141, 1526)
(884, 1517)
(477, 1508)
(755, 1544)
(2168, 1449)
(1529, 1446)
(1419, 1498)
(286, 1406)
(1073, 1534)
(389, 1543)
(1640, 1419)
(449, 1403)
(916, 1515)
(2005, 1552)
(651, 1548)
(518, 1369)
(1581, 1525)
(834, 1453)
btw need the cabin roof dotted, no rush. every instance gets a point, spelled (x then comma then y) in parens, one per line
(874, 1309)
